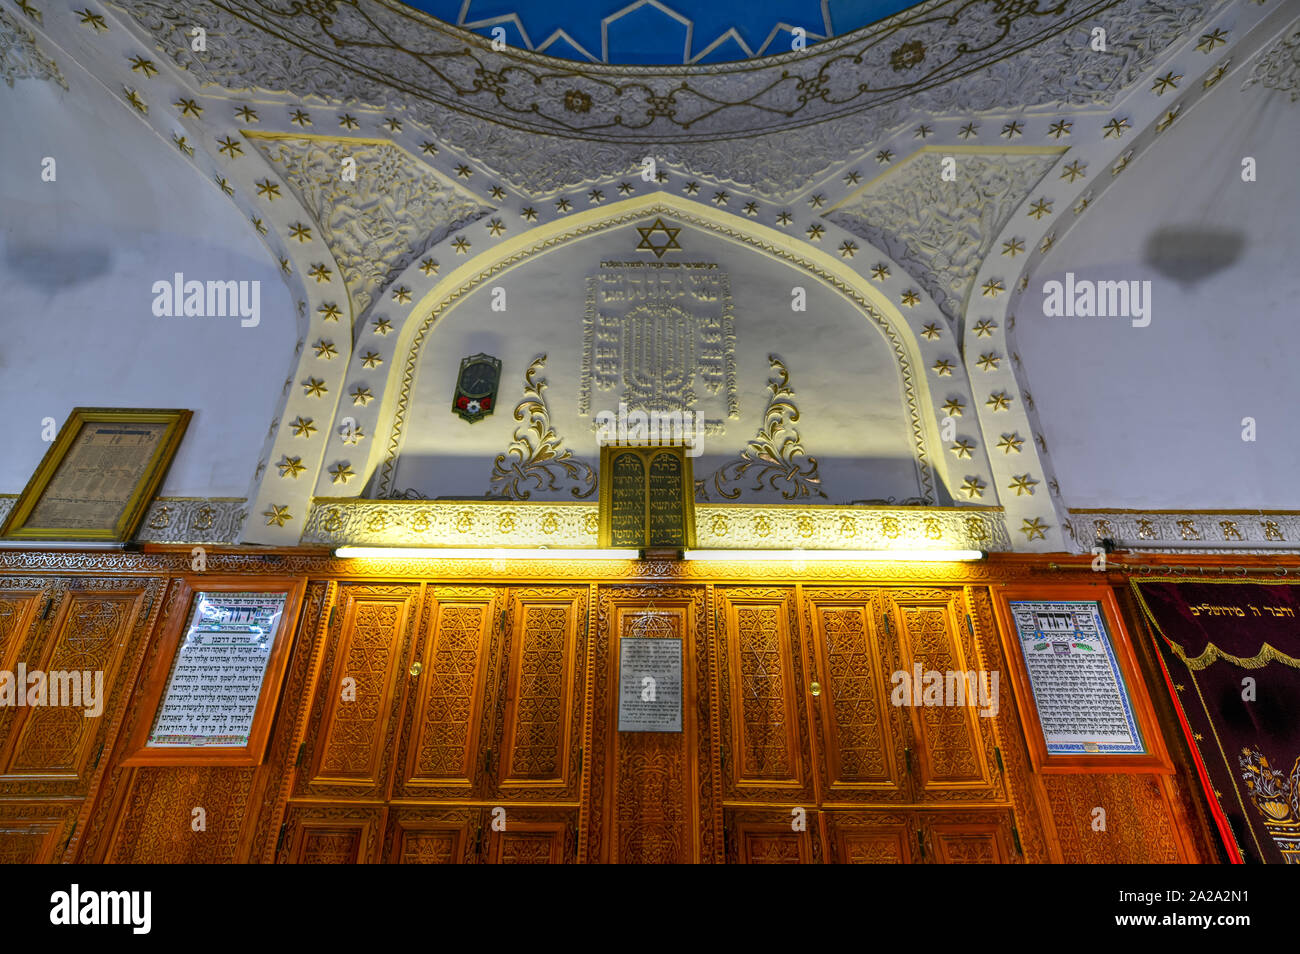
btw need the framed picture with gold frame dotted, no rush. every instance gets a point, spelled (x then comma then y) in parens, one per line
(211, 694)
(98, 476)
(1079, 690)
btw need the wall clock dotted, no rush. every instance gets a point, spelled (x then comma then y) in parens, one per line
(476, 387)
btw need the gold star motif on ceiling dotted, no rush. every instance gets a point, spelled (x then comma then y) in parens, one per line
(930, 331)
(880, 272)
(1010, 442)
(751, 208)
(247, 114)
(348, 121)
(31, 11)
(973, 487)
(269, 189)
(953, 407)
(910, 298)
(461, 245)
(134, 99)
(988, 361)
(188, 107)
(1168, 119)
(814, 232)
(1079, 206)
(1216, 75)
(290, 466)
(371, 359)
(429, 267)
(922, 131)
(963, 449)
(1121, 163)
(1034, 529)
(1047, 242)
(302, 427)
(284, 266)
(562, 205)
(392, 125)
(383, 326)
(341, 473)
(720, 198)
(993, 287)
(140, 65)
(1075, 170)
(626, 188)
(1116, 128)
(595, 197)
(691, 188)
(351, 435)
(402, 295)
(884, 156)
(429, 148)
(1040, 208)
(816, 201)
(1210, 40)
(314, 387)
(1022, 485)
(1168, 81)
(851, 178)
(984, 328)
(1013, 129)
(464, 171)
(277, 515)
(784, 218)
(92, 21)
(231, 146)
(225, 186)
(325, 349)
(257, 224)
(848, 248)
(656, 227)
(661, 177)
(1013, 247)
(1060, 128)
(970, 129)
(943, 368)
(998, 401)
(299, 231)
(496, 227)
(529, 214)
(361, 395)
(329, 311)
(299, 118)
(320, 273)
(182, 145)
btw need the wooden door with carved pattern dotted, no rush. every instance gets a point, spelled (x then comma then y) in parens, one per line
(653, 796)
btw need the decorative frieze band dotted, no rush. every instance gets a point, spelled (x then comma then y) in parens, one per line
(1210, 531)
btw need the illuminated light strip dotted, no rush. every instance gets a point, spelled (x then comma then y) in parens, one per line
(877, 556)
(486, 553)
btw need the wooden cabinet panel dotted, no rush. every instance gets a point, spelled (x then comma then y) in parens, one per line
(95, 630)
(432, 836)
(871, 838)
(330, 836)
(772, 837)
(860, 734)
(969, 838)
(443, 733)
(953, 741)
(158, 821)
(19, 606)
(33, 834)
(540, 733)
(762, 686)
(532, 837)
(349, 743)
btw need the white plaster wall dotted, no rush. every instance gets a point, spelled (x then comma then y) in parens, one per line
(78, 259)
(846, 383)
(1151, 418)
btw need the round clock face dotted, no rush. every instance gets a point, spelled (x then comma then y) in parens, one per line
(478, 379)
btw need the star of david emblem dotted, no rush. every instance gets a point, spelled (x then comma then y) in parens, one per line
(660, 248)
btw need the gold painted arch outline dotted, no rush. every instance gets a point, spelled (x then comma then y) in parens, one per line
(520, 249)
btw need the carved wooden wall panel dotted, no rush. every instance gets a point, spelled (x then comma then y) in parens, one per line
(871, 838)
(330, 836)
(350, 751)
(953, 743)
(1138, 821)
(768, 837)
(98, 627)
(970, 838)
(532, 836)
(34, 833)
(762, 690)
(540, 734)
(443, 734)
(159, 824)
(432, 836)
(652, 796)
(20, 601)
(860, 734)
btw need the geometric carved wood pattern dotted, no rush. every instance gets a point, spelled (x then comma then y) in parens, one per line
(1138, 817)
(334, 835)
(757, 837)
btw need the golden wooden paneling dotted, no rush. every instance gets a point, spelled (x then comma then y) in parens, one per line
(772, 837)
(871, 838)
(432, 836)
(1138, 822)
(537, 837)
(969, 838)
(34, 833)
(339, 835)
